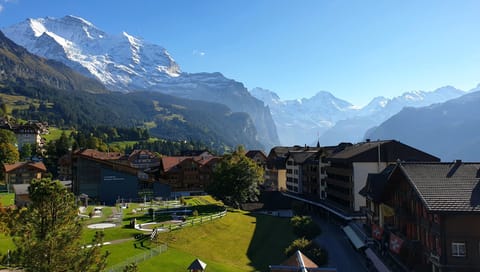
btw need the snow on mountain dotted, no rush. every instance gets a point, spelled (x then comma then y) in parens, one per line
(301, 121)
(127, 63)
(121, 62)
(334, 120)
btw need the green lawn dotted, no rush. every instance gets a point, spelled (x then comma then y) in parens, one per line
(7, 199)
(55, 133)
(238, 241)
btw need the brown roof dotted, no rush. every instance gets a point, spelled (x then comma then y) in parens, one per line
(36, 165)
(298, 262)
(170, 162)
(298, 259)
(136, 153)
(446, 187)
(93, 153)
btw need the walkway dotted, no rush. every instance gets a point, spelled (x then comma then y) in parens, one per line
(341, 253)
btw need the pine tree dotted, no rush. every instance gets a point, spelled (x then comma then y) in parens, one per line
(47, 234)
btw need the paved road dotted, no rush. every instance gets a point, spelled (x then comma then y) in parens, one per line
(342, 254)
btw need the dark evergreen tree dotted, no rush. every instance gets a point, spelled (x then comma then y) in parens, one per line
(47, 234)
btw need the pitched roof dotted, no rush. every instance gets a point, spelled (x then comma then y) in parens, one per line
(356, 149)
(386, 151)
(446, 187)
(93, 153)
(252, 153)
(168, 163)
(197, 265)
(376, 183)
(35, 165)
(301, 156)
(298, 262)
(141, 153)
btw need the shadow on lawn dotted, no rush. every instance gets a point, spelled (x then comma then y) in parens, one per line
(272, 235)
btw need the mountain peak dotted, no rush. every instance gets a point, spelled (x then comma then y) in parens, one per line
(122, 62)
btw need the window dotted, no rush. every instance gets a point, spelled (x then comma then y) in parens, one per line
(458, 249)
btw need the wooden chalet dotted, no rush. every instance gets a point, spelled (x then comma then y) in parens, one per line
(428, 214)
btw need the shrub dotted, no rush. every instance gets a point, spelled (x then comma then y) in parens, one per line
(303, 226)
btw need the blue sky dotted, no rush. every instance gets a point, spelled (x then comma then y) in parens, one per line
(355, 49)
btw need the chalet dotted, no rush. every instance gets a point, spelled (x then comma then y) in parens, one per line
(186, 175)
(350, 164)
(428, 214)
(23, 172)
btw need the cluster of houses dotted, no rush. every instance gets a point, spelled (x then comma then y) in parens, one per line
(421, 213)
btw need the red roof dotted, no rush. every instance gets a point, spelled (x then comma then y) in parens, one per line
(36, 165)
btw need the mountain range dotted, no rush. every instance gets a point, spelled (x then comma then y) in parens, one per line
(79, 65)
(39, 89)
(126, 63)
(448, 130)
(331, 120)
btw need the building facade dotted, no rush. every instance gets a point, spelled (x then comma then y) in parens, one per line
(109, 177)
(428, 214)
(23, 172)
(350, 164)
(186, 175)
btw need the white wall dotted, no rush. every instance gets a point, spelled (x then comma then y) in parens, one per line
(360, 174)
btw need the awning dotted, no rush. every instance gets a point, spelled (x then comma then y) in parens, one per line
(356, 241)
(379, 265)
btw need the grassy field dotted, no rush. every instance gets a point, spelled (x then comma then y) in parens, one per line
(240, 241)
(55, 133)
(7, 199)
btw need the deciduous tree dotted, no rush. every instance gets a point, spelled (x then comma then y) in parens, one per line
(236, 179)
(8, 153)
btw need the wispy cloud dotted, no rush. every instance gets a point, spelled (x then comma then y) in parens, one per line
(198, 53)
(1, 7)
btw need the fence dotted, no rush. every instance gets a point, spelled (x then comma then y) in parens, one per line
(162, 248)
(199, 220)
(138, 258)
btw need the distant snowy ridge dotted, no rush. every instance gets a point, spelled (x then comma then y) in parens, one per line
(332, 120)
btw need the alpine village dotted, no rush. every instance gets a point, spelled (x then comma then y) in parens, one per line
(189, 174)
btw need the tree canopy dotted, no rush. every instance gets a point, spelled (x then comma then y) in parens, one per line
(236, 179)
(7, 136)
(47, 234)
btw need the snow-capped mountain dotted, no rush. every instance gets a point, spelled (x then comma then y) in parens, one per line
(447, 130)
(333, 120)
(122, 62)
(302, 121)
(127, 63)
